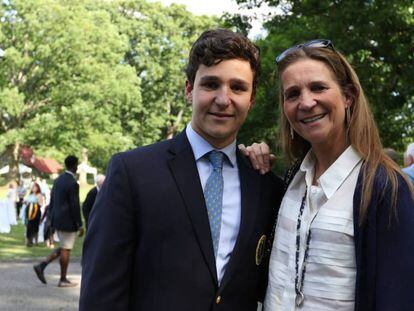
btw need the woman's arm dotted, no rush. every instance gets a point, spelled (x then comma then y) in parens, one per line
(40, 199)
(395, 252)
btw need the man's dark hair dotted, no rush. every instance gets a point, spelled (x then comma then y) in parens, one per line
(214, 46)
(71, 162)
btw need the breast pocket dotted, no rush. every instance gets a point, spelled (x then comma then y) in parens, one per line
(339, 221)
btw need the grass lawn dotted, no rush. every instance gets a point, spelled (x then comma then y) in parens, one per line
(12, 245)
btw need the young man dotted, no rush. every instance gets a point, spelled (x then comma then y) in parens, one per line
(182, 224)
(64, 210)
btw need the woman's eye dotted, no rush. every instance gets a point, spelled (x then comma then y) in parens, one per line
(291, 95)
(318, 88)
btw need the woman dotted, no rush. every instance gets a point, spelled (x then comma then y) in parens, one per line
(344, 238)
(48, 231)
(33, 202)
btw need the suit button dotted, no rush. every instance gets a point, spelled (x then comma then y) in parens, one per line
(218, 299)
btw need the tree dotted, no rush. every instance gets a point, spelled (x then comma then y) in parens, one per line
(159, 41)
(63, 84)
(375, 36)
(105, 75)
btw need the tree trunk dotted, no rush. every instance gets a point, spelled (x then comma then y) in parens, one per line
(172, 127)
(14, 159)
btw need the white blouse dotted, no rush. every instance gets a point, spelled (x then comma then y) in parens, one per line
(329, 281)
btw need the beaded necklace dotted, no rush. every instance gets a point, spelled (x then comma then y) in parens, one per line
(299, 285)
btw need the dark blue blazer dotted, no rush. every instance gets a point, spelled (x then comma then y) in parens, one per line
(64, 204)
(149, 246)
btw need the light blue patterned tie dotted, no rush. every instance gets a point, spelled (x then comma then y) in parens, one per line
(213, 194)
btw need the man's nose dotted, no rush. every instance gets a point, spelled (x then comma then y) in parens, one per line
(223, 97)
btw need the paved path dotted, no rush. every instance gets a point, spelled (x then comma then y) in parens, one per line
(20, 290)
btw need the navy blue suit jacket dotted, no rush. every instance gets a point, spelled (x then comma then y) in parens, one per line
(149, 247)
(64, 207)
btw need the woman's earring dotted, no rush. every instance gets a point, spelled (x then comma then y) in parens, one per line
(347, 123)
(292, 134)
(347, 116)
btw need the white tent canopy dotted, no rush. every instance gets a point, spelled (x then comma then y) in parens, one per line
(85, 168)
(22, 169)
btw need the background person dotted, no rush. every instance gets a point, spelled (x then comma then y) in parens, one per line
(91, 197)
(21, 193)
(33, 202)
(12, 198)
(409, 162)
(392, 154)
(48, 231)
(64, 209)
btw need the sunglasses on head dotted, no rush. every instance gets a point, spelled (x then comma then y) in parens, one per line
(318, 43)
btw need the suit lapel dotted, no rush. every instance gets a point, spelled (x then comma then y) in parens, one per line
(184, 169)
(250, 199)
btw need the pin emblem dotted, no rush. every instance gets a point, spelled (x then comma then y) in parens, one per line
(260, 250)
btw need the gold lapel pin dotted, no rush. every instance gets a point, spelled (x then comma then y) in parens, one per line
(260, 250)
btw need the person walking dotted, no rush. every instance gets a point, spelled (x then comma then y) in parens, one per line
(64, 209)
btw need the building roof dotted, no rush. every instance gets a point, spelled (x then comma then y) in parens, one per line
(46, 165)
(43, 165)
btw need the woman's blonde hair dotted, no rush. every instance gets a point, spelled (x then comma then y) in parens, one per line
(362, 132)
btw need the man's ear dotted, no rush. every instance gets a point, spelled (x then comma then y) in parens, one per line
(252, 103)
(188, 91)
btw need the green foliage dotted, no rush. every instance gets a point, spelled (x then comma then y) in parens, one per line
(375, 36)
(159, 41)
(101, 75)
(63, 80)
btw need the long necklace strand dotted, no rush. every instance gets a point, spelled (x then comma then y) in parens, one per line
(299, 285)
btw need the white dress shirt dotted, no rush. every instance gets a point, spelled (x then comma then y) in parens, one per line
(329, 282)
(71, 173)
(231, 212)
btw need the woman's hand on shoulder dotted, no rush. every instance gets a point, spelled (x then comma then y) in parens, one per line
(259, 156)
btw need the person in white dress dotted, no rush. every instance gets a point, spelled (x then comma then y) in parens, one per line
(11, 204)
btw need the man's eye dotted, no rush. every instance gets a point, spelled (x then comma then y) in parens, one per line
(239, 88)
(211, 85)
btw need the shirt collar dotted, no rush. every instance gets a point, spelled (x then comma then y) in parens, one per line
(201, 146)
(336, 174)
(69, 172)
